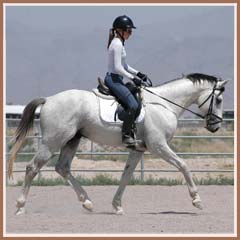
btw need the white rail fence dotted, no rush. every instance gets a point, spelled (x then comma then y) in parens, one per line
(12, 123)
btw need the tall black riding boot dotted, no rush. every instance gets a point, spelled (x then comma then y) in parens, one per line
(127, 130)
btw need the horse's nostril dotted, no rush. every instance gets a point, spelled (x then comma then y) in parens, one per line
(214, 130)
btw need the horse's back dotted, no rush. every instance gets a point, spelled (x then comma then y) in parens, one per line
(70, 95)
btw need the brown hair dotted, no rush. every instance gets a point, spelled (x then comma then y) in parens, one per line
(111, 36)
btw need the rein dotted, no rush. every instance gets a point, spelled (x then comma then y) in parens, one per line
(209, 114)
(197, 114)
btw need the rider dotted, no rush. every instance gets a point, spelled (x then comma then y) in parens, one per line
(117, 69)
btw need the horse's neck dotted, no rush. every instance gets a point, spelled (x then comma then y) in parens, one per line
(183, 92)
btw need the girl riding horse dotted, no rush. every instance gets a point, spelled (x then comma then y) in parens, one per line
(118, 69)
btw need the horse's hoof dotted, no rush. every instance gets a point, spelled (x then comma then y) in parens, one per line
(88, 205)
(20, 211)
(20, 203)
(197, 203)
(119, 211)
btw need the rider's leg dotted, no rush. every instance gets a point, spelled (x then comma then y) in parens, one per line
(128, 123)
(117, 87)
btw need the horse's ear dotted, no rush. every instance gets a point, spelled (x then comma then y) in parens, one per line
(223, 83)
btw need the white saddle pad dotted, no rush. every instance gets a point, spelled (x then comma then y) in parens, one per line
(108, 109)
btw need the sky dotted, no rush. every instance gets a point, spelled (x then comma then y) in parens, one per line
(87, 17)
(71, 42)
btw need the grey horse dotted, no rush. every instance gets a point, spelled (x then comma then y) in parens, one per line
(70, 115)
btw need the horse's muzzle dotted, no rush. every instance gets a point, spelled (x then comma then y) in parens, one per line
(213, 122)
(213, 130)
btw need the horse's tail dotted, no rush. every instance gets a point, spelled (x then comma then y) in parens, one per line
(24, 126)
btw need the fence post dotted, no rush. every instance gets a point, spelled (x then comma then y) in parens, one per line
(39, 176)
(92, 150)
(38, 133)
(142, 168)
(6, 151)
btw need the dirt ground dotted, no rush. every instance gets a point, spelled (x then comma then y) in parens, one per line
(148, 210)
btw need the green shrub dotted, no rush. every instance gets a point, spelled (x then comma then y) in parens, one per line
(105, 179)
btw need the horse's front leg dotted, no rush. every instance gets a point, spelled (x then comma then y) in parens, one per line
(131, 164)
(167, 154)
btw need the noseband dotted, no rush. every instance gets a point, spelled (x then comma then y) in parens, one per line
(211, 118)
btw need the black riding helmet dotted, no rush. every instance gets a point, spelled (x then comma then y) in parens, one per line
(123, 22)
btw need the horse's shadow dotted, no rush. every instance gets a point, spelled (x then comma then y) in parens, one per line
(171, 213)
(100, 213)
(150, 213)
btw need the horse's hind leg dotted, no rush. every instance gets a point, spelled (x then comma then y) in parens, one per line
(63, 168)
(32, 169)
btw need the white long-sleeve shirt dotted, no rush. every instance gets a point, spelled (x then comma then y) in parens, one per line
(117, 60)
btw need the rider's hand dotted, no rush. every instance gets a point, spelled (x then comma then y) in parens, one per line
(142, 76)
(137, 81)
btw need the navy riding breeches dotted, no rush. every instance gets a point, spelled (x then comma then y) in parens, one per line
(115, 83)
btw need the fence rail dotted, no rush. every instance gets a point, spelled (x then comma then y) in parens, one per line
(142, 170)
(126, 153)
(137, 170)
(181, 137)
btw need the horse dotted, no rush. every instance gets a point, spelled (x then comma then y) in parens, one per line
(72, 114)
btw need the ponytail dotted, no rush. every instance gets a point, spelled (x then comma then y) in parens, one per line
(111, 36)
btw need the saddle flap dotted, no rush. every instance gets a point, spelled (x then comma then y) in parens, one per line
(108, 109)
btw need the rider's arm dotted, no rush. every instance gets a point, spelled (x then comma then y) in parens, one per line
(130, 69)
(118, 67)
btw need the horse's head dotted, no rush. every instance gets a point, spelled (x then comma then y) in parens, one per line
(210, 103)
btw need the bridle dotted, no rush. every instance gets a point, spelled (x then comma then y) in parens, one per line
(211, 118)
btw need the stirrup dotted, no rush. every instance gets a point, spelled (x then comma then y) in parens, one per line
(137, 145)
(128, 140)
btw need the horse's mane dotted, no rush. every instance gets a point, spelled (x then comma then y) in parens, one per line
(195, 77)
